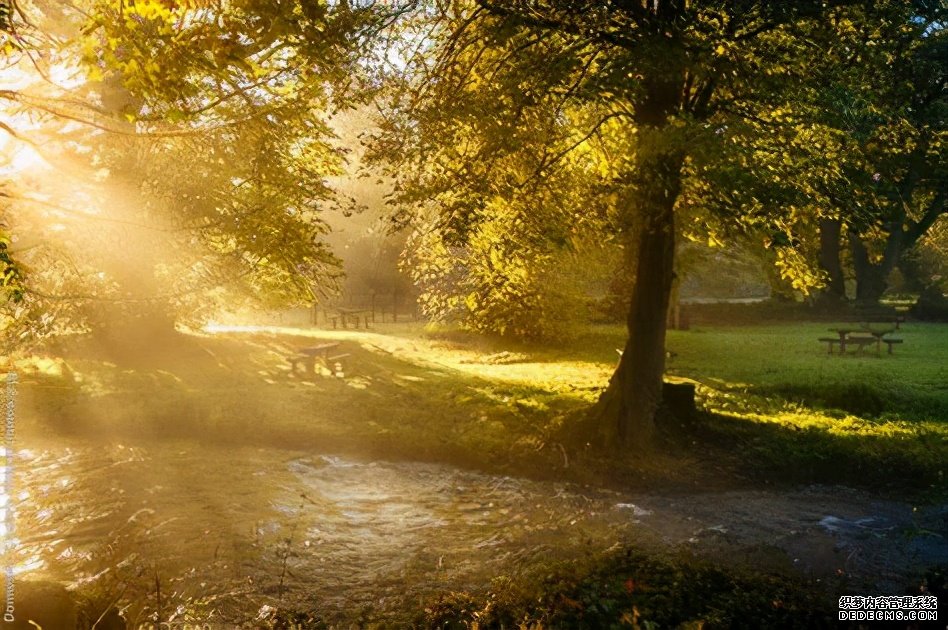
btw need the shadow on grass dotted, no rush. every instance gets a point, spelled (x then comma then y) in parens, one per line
(595, 345)
(241, 390)
(915, 464)
(863, 399)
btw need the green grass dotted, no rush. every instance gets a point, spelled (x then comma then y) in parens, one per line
(630, 589)
(786, 363)
(777, 405)
(776, 370)
(775, 364)
(804, 415)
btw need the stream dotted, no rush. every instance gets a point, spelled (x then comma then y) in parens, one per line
(208, 533)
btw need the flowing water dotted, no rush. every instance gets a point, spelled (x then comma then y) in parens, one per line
(223, 533)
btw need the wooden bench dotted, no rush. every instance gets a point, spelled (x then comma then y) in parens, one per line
(831, 341)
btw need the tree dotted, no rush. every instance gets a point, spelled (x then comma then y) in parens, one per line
(12, 277)
(926, 268)
(203, 173)
(669, 107)
(884, 99)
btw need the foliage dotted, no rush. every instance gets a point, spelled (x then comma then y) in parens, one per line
(505, 278)
(12, 309)
(630, 589)
(12, 276)
(927, 267)
(211, 179)
(487, 232)
(475, 124)
(769, 148)
(223, 62)
(886, 117)
(934, 250)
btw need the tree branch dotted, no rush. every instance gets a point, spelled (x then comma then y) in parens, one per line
(936, 209)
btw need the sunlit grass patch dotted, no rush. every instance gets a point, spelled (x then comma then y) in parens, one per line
(743, 402)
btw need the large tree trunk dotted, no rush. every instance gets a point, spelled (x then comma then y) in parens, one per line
(830, 247)
(872, 279)
(626, 410)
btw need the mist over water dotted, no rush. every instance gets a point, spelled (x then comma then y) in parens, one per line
(247, 527)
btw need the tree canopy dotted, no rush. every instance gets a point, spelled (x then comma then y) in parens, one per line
(640, 120)
(198, 140)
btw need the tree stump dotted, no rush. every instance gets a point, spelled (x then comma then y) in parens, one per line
(678, 399)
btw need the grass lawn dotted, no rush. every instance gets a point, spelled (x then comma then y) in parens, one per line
(786, 363)
(773, 369)
(778, 404)
(872, 419)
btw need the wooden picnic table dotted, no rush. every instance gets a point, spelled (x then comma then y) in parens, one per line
(867, 337)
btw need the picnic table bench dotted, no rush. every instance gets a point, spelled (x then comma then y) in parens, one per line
(866, 337)
(307, 358)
